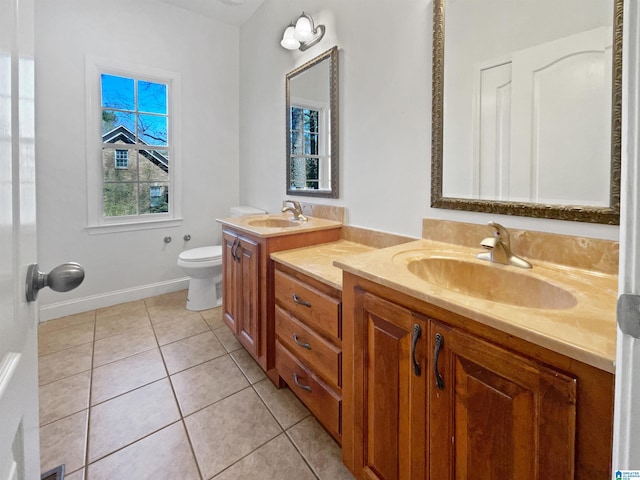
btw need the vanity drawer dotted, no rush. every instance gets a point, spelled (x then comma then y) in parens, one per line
(313, 307)
(323, 402)
(324, 357)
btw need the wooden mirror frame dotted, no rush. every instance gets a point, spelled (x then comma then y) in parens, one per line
(608, 215)
(332, 55)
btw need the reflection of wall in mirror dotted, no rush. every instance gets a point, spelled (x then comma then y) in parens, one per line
(469, 43)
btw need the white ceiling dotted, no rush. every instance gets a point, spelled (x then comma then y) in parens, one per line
(234, 12)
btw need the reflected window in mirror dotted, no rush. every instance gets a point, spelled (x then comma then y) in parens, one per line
(312, 126)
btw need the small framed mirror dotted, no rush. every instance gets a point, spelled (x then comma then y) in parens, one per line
(312, 127)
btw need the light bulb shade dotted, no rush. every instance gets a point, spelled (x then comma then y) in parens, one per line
(304, 28)
(289, 41)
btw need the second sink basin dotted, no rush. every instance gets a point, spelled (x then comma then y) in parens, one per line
(274, 223)
(491, 282)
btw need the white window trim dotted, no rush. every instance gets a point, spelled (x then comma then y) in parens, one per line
(97, 223)
(324, 137)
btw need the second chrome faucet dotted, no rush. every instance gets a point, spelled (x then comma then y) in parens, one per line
(499, 248)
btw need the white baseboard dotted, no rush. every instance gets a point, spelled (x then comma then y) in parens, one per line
(85, 304)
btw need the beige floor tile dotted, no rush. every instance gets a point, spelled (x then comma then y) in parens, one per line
(319, 449)
(191, 351)
(68, 321)
(107, 326)
(64, 441)
(186, 325)
(65, 363)
(213, 317)
(248, 365)
(231, 344)
(276, 459)
(117, 347)
(64, 397)
(166, 312)
(164, 455)
(226, 431)
(284, 405)
(77, 475)
(205, 384)
(63, 338)
(176, 298)
(125, 375)
(123, 420)
(121, 308)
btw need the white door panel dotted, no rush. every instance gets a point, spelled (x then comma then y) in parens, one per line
(19, 448)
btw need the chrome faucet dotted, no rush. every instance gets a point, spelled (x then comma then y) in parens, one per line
(499, 246)
(296, 209)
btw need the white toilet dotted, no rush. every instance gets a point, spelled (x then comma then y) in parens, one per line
(204, 267)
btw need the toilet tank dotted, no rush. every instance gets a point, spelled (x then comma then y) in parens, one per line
(243, 211)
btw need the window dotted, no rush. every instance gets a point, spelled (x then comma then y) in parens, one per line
(309, 162)
(122, 159)
(135, 115)
(133, 157)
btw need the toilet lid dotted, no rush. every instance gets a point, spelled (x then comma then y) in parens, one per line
(202, 254)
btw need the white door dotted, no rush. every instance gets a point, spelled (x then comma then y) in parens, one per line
(626, 431)
(560, 108)
(19, 441)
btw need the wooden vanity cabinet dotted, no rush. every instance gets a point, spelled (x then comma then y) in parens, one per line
(474, 403)
(248, 287)
(309, 344)
(241, 304)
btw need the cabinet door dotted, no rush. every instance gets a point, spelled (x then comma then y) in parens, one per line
(391, 411)
(498, 415)
(230, 280)
(248, 295)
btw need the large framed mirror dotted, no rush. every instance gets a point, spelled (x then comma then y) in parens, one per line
(526, 113)
(312, 127)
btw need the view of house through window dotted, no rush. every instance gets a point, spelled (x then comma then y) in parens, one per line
(135, 146)
(305, 148)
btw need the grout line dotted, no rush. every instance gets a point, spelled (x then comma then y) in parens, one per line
(88, 425)
(175, 399)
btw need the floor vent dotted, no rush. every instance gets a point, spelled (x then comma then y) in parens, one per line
(54, 474)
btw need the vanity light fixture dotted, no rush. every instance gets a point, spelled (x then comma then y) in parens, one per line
(302, 34)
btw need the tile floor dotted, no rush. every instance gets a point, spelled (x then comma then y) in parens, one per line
(148, 389)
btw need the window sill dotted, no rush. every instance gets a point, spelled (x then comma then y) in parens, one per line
(132, 226)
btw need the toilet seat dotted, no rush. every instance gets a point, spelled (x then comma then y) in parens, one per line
(202, 254)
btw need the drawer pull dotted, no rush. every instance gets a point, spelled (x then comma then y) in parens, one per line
(304, 387)
(300, 302)
(301, 344)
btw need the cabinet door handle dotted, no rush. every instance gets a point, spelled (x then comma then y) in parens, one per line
(417, 332)
(233, 253)
(301, 344)
(304, 387)
(300, 302)
(436, 354)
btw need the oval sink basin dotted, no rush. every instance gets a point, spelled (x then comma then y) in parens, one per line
(274, 223)
(492, 282)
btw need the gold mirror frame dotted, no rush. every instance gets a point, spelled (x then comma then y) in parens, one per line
(608, 215)
(332, 55)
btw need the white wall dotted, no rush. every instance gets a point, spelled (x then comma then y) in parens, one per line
(122, 266)
(385, 113)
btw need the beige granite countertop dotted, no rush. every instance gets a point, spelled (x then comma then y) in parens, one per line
(246, 224)
(585, 332)
(316, 261)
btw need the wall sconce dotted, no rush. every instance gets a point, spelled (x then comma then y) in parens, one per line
(302, 34)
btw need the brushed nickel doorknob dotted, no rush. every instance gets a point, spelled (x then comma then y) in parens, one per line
(63, 278)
